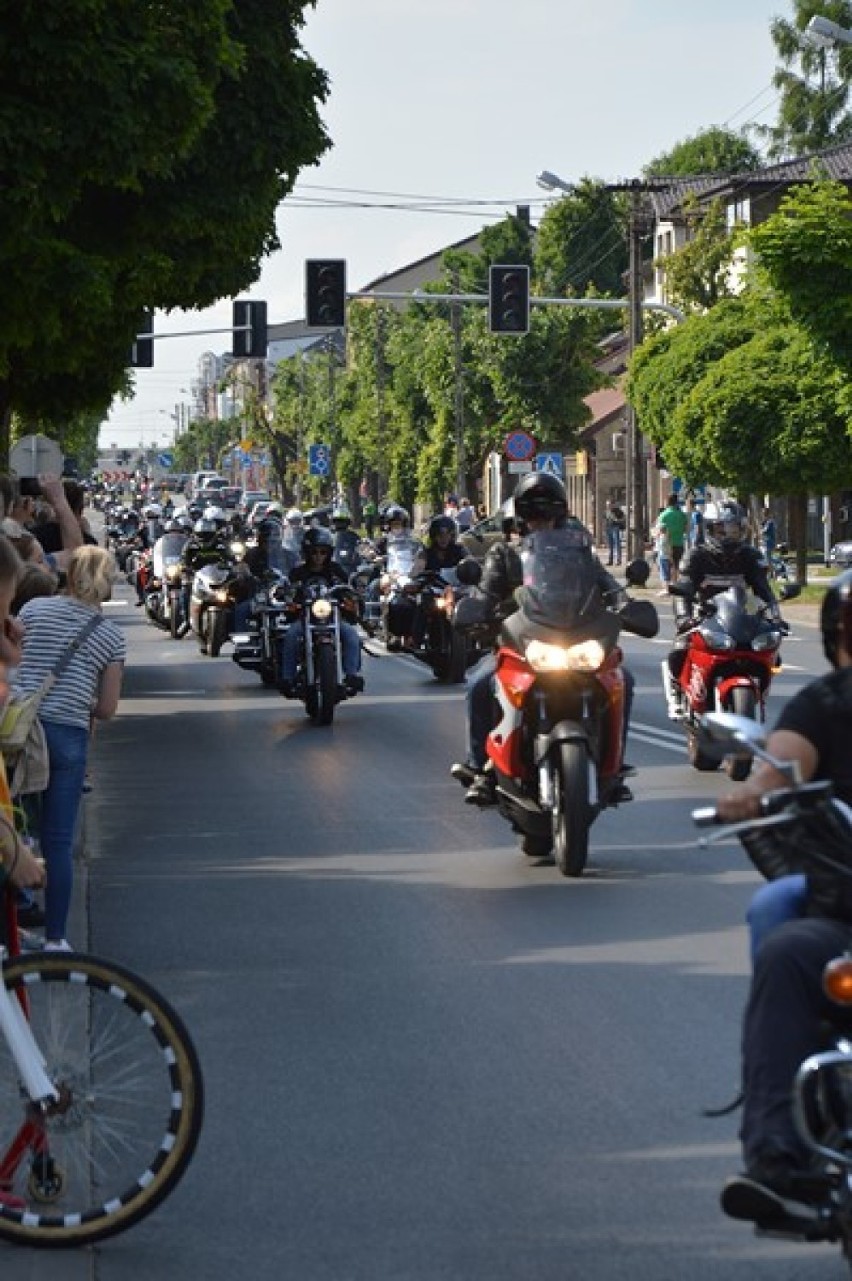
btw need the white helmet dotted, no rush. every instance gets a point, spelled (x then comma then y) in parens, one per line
(294, 516)
(217, 515)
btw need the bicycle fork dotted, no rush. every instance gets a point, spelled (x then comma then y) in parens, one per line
(28, 1058)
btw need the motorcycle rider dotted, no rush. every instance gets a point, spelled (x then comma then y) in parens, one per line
(540, 502)
(346, 541)
(204, 546)
(443, 551)
(261, 559)
(396, 524)
(709, 567)
(786, 1005)
(318, 546)
(294, 530)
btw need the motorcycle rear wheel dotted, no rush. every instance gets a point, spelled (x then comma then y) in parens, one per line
(572, 814)
(743, 702)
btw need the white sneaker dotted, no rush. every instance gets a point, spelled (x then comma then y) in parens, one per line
(58, 945)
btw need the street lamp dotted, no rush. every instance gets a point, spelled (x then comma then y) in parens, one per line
(826, 33)
(552, 182)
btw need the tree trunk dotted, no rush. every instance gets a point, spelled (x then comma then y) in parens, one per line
(5, 425)
(799, 534)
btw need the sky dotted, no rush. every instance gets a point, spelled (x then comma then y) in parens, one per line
(442, 113)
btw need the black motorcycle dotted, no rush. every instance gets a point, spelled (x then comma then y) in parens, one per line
(319, 674)
(257, 648)
(164, 589)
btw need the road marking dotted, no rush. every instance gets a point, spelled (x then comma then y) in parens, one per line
(665, 738)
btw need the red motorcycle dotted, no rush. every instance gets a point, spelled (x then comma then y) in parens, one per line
(556, 749)
(723, 662)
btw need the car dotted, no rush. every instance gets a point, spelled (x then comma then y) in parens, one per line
(841, 554)
(230, 497)
(481, 537)
(249, 498)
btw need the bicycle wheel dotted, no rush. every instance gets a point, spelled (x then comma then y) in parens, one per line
(129, 1111)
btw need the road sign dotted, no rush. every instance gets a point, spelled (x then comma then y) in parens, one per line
(165, 459)
(319, 460)
(519, 446)
(518, 469)
(549, 463)
(36, 456)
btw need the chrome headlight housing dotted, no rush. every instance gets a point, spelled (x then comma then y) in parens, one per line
(585, 657)
(221, 596)
(173, 573)
(322, 610)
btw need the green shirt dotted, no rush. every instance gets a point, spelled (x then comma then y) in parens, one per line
(675, 521)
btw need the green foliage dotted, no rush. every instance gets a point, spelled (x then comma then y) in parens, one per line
(713, 150)
(696, 275)
(812, 111)
(581, 245)
(146, 149)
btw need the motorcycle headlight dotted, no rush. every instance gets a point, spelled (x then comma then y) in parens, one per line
(585, 657)
(173, 573)
(221, 596)
(716, 640)
(446, 600)
(322, 610)
(766, 640)
(385, 582)
(238, 549)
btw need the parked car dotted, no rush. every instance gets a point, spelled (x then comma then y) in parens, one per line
(230, 497)
(841, 554)
(480, 538)
(249, 498)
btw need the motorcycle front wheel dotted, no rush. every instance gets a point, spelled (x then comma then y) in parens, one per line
(572, 815)
(217, 631)
(744, 703)
(326, 684)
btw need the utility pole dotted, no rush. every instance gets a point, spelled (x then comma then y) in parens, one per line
(458, 402)
(380, 484)
(635, 457)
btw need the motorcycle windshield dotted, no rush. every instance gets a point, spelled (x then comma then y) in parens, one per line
(167, 551)
(733, 615)
(560, 579)
(401, 555)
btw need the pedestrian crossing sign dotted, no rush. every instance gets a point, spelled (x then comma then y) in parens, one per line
(551, 464)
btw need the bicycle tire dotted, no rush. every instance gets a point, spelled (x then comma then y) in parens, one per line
(114, 1047)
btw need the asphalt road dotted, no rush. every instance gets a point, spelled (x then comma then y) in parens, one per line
(426, 1057)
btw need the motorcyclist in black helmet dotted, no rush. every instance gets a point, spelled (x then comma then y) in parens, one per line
(443, 551)
(318, 550)
(709, 567)
(346, 541)
(786, 1005)
(540, 502)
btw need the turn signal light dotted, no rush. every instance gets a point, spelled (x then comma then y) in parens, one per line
(837, 980)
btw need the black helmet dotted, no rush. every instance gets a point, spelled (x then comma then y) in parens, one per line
(724, 524)
(835, 619)
(395, 512)
(317, 537)
(440, 525)
(267, 527)
(540, 495)
(204, 530)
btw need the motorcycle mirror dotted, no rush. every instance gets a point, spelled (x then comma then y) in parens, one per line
(640, 617)
(637, 572)
(791, 590)
(822, 1103)
(728, 727)
(685, 590)
(469, 572)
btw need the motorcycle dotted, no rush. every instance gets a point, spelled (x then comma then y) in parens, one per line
(434, 640)
(803, 828)
(164, 594)
(556, 750)
(216, 588)
(319, 673)
(257, 648)
(730, 653)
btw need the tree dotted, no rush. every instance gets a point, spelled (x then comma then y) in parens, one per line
(812, 111)
(712, 150)
(698, 274)
(581, 243)
(156, 146)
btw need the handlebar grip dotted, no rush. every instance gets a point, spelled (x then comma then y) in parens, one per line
(707, 816)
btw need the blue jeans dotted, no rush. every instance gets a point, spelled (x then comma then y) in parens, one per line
(613, 542)
(68, 747)
(773, 904)
(291, 643)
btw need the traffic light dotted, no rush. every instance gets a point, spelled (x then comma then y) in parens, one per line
(325, 292)
(142, 351)
(509, 299)
(250, 335)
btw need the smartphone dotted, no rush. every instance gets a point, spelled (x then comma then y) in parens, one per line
(29, 487)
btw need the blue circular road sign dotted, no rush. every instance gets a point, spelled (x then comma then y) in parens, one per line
(519, 446)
